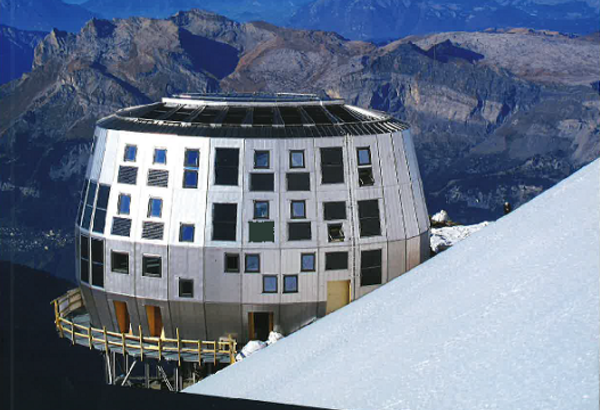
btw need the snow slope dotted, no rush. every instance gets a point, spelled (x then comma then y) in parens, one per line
(506, 319)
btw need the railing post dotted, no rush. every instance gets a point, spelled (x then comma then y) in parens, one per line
(90, 336)
(200, 353)
(141, 344)
(123, 341)
(178, 348)
(159, 349)
(105, 340)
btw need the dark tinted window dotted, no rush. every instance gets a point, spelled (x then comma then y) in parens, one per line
(368, 216)
(85, 258)
(262, 182)
(186, 288)
(263, 231)
(370, 267)
(97, 251)
(232, 262)
(226, 166)
(261, 159)
(334, 210)
(224, 222)
(365, 176)
(158, 178)
(332, 166)
(299, 231)
(335, 232)
(127, 175)
(298, 181)
(336, 260)
(152, 266)
(119, 262)
(97, 262)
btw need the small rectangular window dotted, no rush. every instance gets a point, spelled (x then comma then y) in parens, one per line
(226, 166)
(152, 266)
(336, 260)
(298, 209)
(232, 262)
(290, 284)
(365, 177)
(85, 258)
(368, 217)
(269, 284)
(334, 210)
(130, 153)
(186, 288)
(89, 205)
(297, 159)
(261, 209)
(101, 206)
(224, 222)
(299, 231)
(335, 232)
(252, 263)
(262, 160)
(262, 182)
(190, 178)
(119, 262)
(160, 156)
(186, 233)
(154, 208)
(298, 181)
(191, 158)
(191, 161)
(364, 156)
(124, 204)
(332, 165)
(307, 263)
(370, 267)
(97, 262)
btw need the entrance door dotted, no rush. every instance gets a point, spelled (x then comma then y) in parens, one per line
(338, 295)
(260, 324)
(155, 323)
(122, 316)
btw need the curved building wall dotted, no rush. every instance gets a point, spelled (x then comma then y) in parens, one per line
(220, 302)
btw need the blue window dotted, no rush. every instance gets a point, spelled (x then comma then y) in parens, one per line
(190, 178)
(290, 284)
(364, 156)
(308, 262)
(261, 209)
(155, 207)
(130, 153)
(296, 159)
(192, 158)
(261, 159)
(298, 209)
(252, 263)
(269, 284)
(186, 233)
(160, 156)
(124, 204)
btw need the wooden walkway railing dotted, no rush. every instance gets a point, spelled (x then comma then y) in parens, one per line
(78, 330)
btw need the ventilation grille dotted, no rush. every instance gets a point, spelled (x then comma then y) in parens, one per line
(153, 230)
(121, 226)
(127, 175)
(158, 177)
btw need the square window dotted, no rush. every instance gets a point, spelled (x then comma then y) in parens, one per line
(334, 210)
(252, 263)
(232, 262)
(307, 262)
(365, 177)
(191, 158)
(186, 288)
(130, 153)
(262, 182)
(119, 262)
(261, 231)
(335, 232)
(190, 178)
(152, 266)
(298, 209)
(186, 233)
(269, 284)
(261, 209)
(160, 156)
(299, 231)
(364, 156)
(296, 159)
(261, 159)
(336, 260)
(298, 181)
(154, 208)
(290, 284)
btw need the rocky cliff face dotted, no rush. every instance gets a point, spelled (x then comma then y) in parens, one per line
(485, 131)
(16, 51)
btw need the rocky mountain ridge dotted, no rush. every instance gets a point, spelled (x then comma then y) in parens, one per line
(484, 131)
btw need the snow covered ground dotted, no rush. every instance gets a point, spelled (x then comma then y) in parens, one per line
(446, 237)
(506, 319)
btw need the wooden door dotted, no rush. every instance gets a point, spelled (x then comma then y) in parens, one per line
(338, 295)
(122, 316)
(155, 323)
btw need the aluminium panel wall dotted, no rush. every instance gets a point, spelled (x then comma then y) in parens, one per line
(418, 196)
(189, 318)
(220, 286)
(396, 259)
(296, 315)
(108, 166)
(156, 288)
(115, 282)
(97, 157)
(359, 290)
(223, 319)
(186, 262)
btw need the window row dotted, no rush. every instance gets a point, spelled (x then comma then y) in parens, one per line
(226, 166)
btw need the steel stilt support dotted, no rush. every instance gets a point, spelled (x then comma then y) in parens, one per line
(147, 375)
(129, 373)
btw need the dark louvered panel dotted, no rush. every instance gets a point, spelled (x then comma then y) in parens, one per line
(153, 230)
(121, 226)
(158, 177)
(128, 175)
